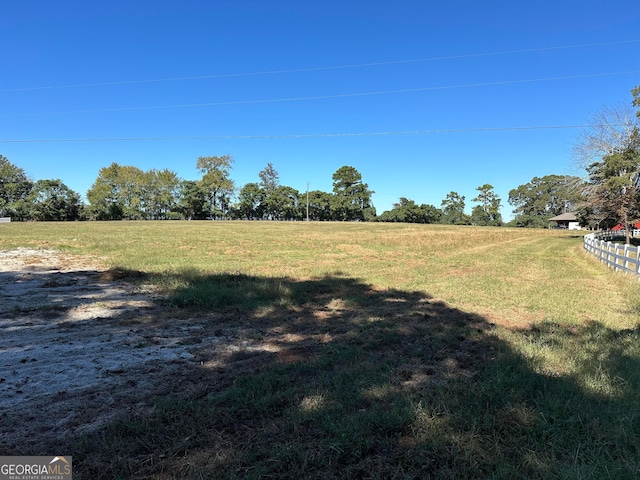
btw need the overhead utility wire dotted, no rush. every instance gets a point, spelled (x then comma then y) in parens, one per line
(321, 97)
(315, 69)
(303, 135)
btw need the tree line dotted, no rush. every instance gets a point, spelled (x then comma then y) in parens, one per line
(609, 151)
(123, 192)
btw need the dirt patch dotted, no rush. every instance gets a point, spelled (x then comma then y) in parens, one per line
(80, 343)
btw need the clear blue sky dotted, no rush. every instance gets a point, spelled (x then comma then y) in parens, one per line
(237, 69)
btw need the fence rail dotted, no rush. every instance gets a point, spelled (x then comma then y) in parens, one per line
(615, 255)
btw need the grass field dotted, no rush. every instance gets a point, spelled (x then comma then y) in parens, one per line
(399, 351)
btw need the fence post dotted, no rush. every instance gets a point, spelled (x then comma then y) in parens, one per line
(616, 258)
(625, 260)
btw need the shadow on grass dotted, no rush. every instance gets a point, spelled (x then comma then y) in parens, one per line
(635, 241)
(571, 237)
(336, 379)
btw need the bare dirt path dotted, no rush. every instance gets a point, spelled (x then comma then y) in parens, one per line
(78, 346)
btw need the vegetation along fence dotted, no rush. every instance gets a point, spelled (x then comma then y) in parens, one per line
(620, 257)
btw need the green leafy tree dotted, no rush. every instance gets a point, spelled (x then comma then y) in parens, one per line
(609, 150)
(271, 201)
(102, 203)
(431, 213)
(453, 210)
(488, 211)
(320, 205)
(52, 200)
(409, 212)
(545, 197)
(160, 190)
(131, 192)
(191, 200)
(250, 204)
(117, 194)
(615, 185)
(104, 195)
(284, 203)
(351, 196)
(216, 182)
(15, 186)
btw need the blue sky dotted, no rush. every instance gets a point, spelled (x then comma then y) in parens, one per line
(302, 74)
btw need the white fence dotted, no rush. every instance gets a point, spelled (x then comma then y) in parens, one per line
(614, 255)
(5, 219)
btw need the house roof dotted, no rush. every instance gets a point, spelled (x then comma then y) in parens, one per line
(571, 217)
(621, 226)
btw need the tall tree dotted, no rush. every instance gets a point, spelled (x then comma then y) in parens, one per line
(615, 186)
(320, 205)
(15, 186)
(431, 213)
(269, 178)
(271, 201)
(131, 192)
(250, 203)
(609, 149)
(103, 195)
(352, 197)
(488, 212)
(191, 200)
(216, 182)
(453, 209)
(160, 193)
(52, 200)
(284, 203)
(117, 193)
(545, 197)
(610, 130)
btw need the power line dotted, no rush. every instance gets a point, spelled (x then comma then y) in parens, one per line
(324, 97)
(315, 69)
(304, 135)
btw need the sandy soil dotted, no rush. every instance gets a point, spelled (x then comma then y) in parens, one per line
(78, 345)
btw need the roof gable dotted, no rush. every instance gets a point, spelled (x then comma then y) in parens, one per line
(571, 217)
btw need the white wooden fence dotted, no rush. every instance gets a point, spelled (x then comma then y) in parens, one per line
(615, 255)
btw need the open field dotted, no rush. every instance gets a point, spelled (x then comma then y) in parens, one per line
(322, 350)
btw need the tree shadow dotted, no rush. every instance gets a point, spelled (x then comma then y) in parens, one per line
(571, 237)
(332, 378)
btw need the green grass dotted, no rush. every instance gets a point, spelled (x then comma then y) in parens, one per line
(511, 275)
(399, 351)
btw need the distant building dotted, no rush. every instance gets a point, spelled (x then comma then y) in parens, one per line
(620, 226)
(566, 220)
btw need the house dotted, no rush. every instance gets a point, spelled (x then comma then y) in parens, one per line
(566, 220)
(620, 226)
